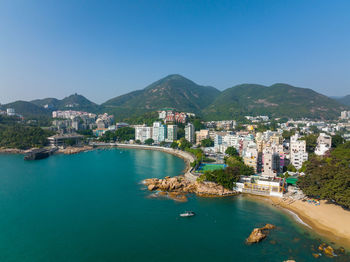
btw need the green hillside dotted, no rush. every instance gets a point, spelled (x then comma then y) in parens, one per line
(278, 100)
(173, 91)
(73, 102)
(27, 109)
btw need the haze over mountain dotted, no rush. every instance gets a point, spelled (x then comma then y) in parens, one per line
(176, 91)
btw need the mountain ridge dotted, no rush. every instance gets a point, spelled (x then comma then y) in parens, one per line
(181, 93)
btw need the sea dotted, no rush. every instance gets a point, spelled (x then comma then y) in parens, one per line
(93, 206)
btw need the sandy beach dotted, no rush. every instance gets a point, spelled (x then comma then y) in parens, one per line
(328, 220)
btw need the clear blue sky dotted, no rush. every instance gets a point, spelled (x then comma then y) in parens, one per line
(102, 49)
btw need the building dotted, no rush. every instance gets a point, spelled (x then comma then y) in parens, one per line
(298, 154)
(272, 159)
(172, 133)
(11, 112)
(143, 132)
(324, 143)
(257, 185)
(345, 115)
(201, 135)
(189, 132)
(63, 140)
(159, 132)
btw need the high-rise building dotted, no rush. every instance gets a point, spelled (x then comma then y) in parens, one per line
(189, 132)
(172, 133)
(298, 154)
(143, 133)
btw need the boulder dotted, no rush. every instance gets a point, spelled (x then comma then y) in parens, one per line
(268, 226)
(329, 251)
(152, 187)
(256, 236)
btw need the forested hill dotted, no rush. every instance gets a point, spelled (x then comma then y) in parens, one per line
(178, 92)
(278, 100)
(174, 91)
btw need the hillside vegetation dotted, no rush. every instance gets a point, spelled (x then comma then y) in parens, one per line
(279, 100)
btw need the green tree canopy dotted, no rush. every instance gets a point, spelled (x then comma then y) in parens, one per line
(207, 143)
(149, 141)
(231, 151)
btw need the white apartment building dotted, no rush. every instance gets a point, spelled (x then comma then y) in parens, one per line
(298, 154)
(189, 132)
(324, 143)
(159, 132)
(156, 131)
(143, 132)
(271, 159)
(172, 133)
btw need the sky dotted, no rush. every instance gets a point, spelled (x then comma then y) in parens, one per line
(102, 49)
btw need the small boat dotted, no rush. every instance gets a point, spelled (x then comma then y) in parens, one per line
(187, 214)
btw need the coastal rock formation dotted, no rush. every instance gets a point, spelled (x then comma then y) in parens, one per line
(328, 250)
(182, 185)
(74, 150)
(259, 234)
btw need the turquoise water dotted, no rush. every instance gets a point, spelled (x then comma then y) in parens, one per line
(92, 207)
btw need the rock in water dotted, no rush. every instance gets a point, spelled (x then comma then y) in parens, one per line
(329, 251)
(268, 226)
(259, 234)
(152, 187)
(256, 236)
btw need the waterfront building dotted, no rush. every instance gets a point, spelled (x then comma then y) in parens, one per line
(298, 154)
(159, 132)
(61, 140)
(259, 185)
(143, 132)
(172, 133)
(189, 132)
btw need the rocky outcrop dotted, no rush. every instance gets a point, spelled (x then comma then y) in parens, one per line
(328, 250)
(182, 185)
(74, 150)
(258, 234)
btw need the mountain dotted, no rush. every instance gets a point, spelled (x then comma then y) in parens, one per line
(53, 102)
(278, 100)
(27, 109)
(73, 102)
(345, 100)
(173, 91)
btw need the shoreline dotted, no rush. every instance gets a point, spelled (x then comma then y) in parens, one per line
(334, 228)
(186, 156)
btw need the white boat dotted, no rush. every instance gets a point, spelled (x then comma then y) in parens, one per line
(187, 214)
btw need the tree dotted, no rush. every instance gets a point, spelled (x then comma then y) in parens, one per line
(311, 143)
(174, 145)
(236, 162)
(138, 142)
(197, 123)
(163, 143)
(329, 177)
(231, 151)
(291, 168)
(337, 140)
(184, 144)
(207, 143)
(149, 141)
